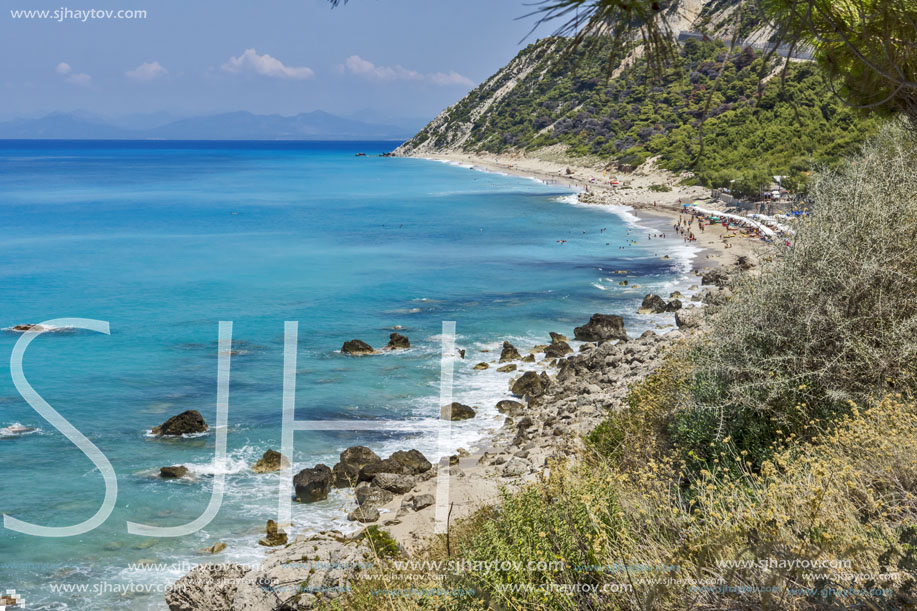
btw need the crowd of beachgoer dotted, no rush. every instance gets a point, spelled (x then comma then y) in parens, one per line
(685, 227)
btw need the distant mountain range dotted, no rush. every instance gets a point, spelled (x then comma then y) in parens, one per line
(317, 125)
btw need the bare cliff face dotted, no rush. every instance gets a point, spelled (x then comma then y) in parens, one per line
(451, 129)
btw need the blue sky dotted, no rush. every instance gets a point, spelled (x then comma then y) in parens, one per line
(407, 58)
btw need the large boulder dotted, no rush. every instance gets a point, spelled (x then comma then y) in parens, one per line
(509, 353)
(652, 304)
(673, 306)
(557, 337)
(601, 327)
(369, 471)
(347, 472)
(357, 347)
(458, 411)
(368, 495)
(413, 460)
(515, 467)
(274, 536)
(558, 349)
(422, 501)
(510, 408)
(186, 423)
(312, 484)
(530, 384)
(394, 482)
(364, 515)
(688, 319)
(396, 341)
(270, 462)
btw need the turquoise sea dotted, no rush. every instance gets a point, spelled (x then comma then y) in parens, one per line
(163, 240)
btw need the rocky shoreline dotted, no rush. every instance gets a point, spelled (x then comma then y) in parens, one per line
(560, 396)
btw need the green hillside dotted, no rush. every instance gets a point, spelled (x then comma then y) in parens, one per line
(568, 98)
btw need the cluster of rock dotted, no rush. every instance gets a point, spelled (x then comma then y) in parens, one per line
(654, 304)
(375, 481)
(356, 347)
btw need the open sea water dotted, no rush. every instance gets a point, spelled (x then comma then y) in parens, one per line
(163, 240)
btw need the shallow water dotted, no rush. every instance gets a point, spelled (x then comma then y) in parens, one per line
(164, 240)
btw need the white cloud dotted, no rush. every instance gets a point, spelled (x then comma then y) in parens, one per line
(83, 80)
(80, 79)
(450, 78)
(265, 65)
(361, 67)
(147, 72)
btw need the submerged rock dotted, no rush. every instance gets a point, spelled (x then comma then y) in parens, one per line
(270, 462)
(481, 366)
(601, 327)
(347, 472)
(216, 548)
(509, 353)
(458, 411)
(313, 484)
(507, 368)
(25, 327)
(185, 423)
(357, 347)
(396, 341)
(173, 472)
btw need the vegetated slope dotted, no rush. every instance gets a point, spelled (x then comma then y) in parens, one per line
(548, 96)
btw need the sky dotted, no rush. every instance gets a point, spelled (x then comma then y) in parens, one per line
(379, 58)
